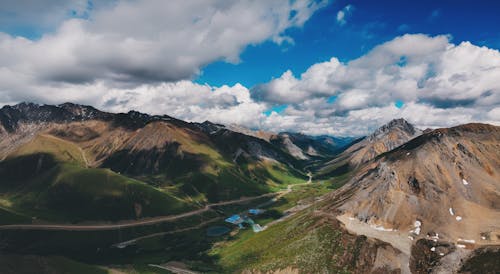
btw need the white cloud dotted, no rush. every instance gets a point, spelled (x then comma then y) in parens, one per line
(441, 84)
(40, 15)
(343, 14)
(151, 40)
(189, 101)
(138, 55)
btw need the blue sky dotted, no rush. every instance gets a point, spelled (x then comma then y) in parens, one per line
(369, 24)
(339, 67)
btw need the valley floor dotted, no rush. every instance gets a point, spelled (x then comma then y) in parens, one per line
(281, 206)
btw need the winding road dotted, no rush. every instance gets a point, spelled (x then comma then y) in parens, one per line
(132, 223)
(147, 221)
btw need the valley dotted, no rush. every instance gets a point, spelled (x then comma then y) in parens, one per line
(91, 191)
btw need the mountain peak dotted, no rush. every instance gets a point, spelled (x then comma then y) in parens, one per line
(400, 124)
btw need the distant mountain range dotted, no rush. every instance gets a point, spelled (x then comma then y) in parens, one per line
(400, 200)
(188, 163)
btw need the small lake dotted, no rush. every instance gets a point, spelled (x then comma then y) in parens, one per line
(215, 231)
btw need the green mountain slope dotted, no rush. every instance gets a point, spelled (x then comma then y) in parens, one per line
(39, 185)
(87, 165)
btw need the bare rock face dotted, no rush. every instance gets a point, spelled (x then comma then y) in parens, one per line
(443, 186)
(384, 139)
(306, 147)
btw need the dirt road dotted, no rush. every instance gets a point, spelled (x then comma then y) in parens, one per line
(148, 221)
(200, 225)
(132, 223)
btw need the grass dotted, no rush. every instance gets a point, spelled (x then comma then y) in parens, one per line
(283, 175)
(63, 151)
(144, 269)
(59, 190)
(7, 216)
(48, 179)
(301, 242)
(192, 245)
(45, 264)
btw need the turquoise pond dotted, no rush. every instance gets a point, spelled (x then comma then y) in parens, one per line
(215, 231)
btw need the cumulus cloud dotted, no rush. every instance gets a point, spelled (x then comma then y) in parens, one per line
(183, 99)
(189, 101)
(151, 40)
(40, 15)
(141, 54)
(440, 83)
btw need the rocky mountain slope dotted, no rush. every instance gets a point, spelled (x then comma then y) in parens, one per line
(385, 138)
(442, 187)
(431, 205)
(306, 147)
(302, 147)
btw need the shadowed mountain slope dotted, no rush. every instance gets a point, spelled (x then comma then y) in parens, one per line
(161, 154)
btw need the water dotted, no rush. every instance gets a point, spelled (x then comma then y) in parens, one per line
(215, 231)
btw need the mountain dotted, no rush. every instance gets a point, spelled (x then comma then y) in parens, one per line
(56, 158)
(435, 178)
(442, 185)
(431, 205)
(136, 192)
(385, 138)
(305, 147)
(301, 146)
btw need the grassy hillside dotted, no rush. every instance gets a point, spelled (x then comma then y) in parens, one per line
(7, 216)
(39, 185)
(47, 179)
(62, 150)
(159, 169)
(300, 243)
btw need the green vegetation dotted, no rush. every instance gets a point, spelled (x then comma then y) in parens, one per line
(302, 242)
(48, 178)
(283, 175)
(192, 246)
(17, 264)
(9, 217)
(144, 269)
(63, 151)
(38, 185)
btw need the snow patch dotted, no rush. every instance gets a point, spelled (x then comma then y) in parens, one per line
(458, 218)
(451, 211)
(482, 237)
(466, 241)
(381, 228)
(435, 238)
(433, 249)
(407, 153)
(441, 254)
(465, 182)
(461, 246)
(417, 224)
